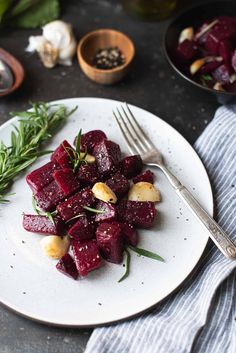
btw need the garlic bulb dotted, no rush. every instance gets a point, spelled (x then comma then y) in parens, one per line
(56, 45)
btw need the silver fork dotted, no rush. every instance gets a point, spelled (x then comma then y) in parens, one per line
(139, 143)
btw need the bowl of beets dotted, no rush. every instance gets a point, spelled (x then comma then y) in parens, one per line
(65, 203)
(200, 44)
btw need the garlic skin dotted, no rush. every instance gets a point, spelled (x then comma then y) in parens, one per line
(57, 45)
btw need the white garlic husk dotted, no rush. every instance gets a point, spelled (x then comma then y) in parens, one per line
(59, 38)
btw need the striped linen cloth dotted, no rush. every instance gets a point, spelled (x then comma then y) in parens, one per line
(200, 317)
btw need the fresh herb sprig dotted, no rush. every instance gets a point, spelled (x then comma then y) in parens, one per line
(35, 127)
(76, 156)
(49, 215)
(147, 253)
(127, 267)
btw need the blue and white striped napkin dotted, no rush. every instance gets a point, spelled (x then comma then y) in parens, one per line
(200, 317)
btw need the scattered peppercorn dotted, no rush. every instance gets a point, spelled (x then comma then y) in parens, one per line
(108, 58)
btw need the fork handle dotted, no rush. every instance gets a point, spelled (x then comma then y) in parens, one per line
(216, 233)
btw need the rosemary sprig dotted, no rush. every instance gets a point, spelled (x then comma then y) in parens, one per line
(127, 267)
(34, 127)
(147, 253)
(76, 156)
(94, 210)
(75, 217)
(49, 215)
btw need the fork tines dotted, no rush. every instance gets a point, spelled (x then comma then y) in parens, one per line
(135, 137)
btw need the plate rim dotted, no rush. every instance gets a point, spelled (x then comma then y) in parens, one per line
(146, 310)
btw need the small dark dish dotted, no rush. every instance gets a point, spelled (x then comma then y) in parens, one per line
(195, 17)
(16, 69)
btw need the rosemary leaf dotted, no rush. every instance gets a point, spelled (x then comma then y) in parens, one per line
(49, 215)
(147, 253)
(33, 129)
(127, 267)
(75, 217)
(94, 210)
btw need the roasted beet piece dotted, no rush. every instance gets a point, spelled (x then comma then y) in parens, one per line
(220, 32)
(233, 60)
(107, 154)
(74, 205)
(88, 173)
(48, 198)
(186, 50)
(147, 176)
(222, 74)
(131, 166)
(66, 180)
(43, 225)
(118, 184)
(129, 233)
(86, 254)
(139, 213)
(66, 265)
(90, 139)
(209, 67)
(225, 51)
(110, 241)
(63, 155)
(42, 176)
(82, 229)
(110, 212)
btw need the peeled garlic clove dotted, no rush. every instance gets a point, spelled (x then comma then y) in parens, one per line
(102, 192)
(144, 191)
(54, 246)
(186, 33)
(48, 54)
(35, 42)
(196, 65)
(88, 158)
(218, 86)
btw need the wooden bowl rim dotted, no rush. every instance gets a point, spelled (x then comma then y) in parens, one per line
(16, 68)
(101, 32)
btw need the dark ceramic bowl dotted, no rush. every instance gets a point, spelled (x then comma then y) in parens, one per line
(195, 17)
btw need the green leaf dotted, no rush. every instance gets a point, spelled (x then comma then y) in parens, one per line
(75, 217)
(147, 253)
(22, 6)
(127, 267)
(94, 210)
(4, 7)
(38, 14)
(207, 77)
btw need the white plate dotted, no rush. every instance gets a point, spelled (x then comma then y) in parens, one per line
(30, 283)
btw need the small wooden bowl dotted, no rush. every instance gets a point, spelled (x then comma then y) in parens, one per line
(99, 39)
(16, 68)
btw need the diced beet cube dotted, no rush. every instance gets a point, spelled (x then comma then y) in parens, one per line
(132, 166)
(90, 139)
(139, 213)
(233, 60)
(66, 180)
(86, 254)
(66, 265)
(42, 176)
(107, 154)
(118, 184)
(147, 176)
(88, 173)
(217, 34)
(225, 51)
(186, 50)
(222, 74)
(48, 198)
(110, 241)
(63, 155)
(210, 67)
(110, 212)
(129, 233)
(74, 204)
(82, 229)
(43, 225)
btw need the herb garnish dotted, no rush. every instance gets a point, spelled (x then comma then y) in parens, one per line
(75, 217)
(49, 215)
(147, 253)
(34, 128)
(76, 156)
(207, 77)
(94, 210)
(127, 267)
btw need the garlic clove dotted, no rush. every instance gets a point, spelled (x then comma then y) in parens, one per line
(186, 33)
(144, 191)
(218, 86)
(196, 65)
(88, 158)
(48, 54)
(55, 246)
(102, 192)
